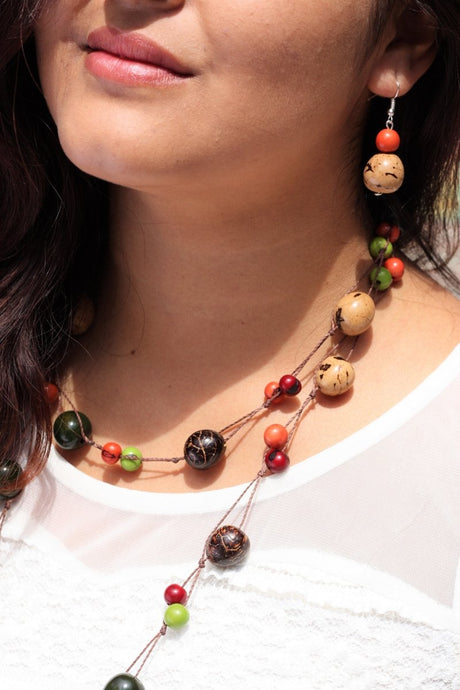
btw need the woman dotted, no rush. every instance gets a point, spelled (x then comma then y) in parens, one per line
(216, 216)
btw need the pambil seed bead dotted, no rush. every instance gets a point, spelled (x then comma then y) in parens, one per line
(111, 453)
(380, 245)
(175, 594)
(384, 173)
(227, 546)
(131, 459)
(395, 266)
(203, 449)
(380, 278)
(124, 681)
(67, 431)
(10, 471)
(354, 313)
(391, 232)
(51, 393)
(83, 316)
(289, 385)
(335, 376)
(275, 436)
(276, 460)
(176, 616)
(387, 140)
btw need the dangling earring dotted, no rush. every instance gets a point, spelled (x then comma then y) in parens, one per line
(384, 172)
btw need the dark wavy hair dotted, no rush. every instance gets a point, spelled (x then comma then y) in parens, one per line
(54, 217)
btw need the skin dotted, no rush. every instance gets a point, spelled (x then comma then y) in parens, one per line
(235, 222)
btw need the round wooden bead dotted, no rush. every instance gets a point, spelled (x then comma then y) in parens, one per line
(176, 616)
(83, 316)
(384, 173)
(51, 393)
(395, 266)
(111, 453)
(131, 459)
(289, 385)
(380, 278)
(175, 594)
(276, 461)
(354, 313)
(387, 140)
(227, 546)
(67, 431)
(203, 449)
(10, 471)
(275, 436)
(380, 245)
(335, 376)
(124, 681)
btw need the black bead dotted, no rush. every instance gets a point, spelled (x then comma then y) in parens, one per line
(203, 449)
(67, 432)
(124, 681)
(10, 471)
(227, 546)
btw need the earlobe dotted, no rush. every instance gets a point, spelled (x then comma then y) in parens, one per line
(407, 57)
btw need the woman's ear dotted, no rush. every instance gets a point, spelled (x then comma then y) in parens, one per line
(408, 54)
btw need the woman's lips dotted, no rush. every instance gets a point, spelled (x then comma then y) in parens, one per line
(132, 59)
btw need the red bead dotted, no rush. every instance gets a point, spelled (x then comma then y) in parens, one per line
(290, 385)
(276, 460)
(275, 436)
(395, 266)
(387, 140)
(175, 594)
(391, 232)
(51, 393)
(111, 453)
(270, 390)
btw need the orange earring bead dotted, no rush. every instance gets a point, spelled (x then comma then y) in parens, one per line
(270, 390)
(276, 436)
(387, 140)
(395, 267)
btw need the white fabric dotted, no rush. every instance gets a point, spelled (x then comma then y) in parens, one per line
(350, 582)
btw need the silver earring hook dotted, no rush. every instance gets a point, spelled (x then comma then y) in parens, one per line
(391, 110)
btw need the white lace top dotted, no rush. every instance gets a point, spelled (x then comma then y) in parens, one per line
(351, 581)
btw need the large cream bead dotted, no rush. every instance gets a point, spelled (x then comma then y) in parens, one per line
(354, 313)
(83, 316)
(335, 376)
(384, 173)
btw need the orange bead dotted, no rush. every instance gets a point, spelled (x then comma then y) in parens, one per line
(387, 140)
(51, 393)
(270, 390)
(395, 266)
(111, 453)
(276, 436)
(391, 232)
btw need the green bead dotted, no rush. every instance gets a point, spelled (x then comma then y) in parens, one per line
(10, 471)
(380, 244)
(380, 278)
(176, 616)
(124, 681)
(134, 461)
(67, 432)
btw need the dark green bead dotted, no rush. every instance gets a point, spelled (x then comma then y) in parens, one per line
(125, 681)
(10, 471)
(380, 278)
(67, 432)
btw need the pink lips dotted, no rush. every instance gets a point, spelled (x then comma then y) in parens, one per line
(132, 59)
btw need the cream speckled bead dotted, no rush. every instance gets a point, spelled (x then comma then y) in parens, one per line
(83, 316)
(354, 313)
(334, 376)
(384, 173)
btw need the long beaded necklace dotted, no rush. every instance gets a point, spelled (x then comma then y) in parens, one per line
(227, 544)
